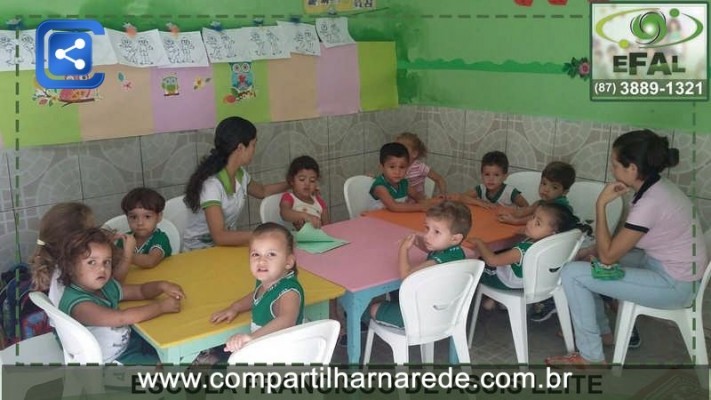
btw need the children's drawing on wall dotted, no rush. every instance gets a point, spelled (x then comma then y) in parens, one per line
(50, 97)
(102, 51)
(7, 51)
(126, 84)
(27, 49)
(185, 49)
(242, 83)
(145, 49)
(265, 42)
(170, 86)
(223, 46)
(301, 38)
(334, 31)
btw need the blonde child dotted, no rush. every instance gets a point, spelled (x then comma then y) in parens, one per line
(144, 210)
(391, 189)
(278, 300)
(504, 269)
(446, 226)
(556, 179)
(218, 188)
(60, 221)
(92, 296)
(418, 170)
(303, 203)
(493, 191)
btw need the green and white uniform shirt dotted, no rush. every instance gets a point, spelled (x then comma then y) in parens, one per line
(230, 195)
(398, 193)
(262, 307)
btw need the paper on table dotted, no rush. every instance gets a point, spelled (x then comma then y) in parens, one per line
(316, 241)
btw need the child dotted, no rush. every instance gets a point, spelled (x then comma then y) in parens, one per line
(556, 179)
(278, 301)
(446, 226)
(60, 221)
(493, 190)
(92, 296)
(217, 190)
(390, 189)
(303, 204)
(144, 210)
(418, 170)
(504, 269)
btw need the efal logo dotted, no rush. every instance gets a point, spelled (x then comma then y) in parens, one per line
(68, 53)
(650, 28)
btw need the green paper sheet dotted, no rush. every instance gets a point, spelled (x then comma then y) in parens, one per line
(315, 241)
(378, 67)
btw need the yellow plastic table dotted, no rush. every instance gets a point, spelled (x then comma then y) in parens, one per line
(212, 279)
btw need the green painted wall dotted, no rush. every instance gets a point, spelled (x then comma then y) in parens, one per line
(477, 54)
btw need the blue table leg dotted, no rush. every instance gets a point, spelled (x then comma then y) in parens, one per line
(453, 359)
(354, 304)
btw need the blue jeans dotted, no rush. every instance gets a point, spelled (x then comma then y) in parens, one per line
(645, 283)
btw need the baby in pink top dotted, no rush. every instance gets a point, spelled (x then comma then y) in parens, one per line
(418, 170)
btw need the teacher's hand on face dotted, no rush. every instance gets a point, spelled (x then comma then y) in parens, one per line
(612, 191)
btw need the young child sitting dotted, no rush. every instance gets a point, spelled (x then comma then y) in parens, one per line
(144, 210)
(504, 270)
(418, 170)
(302, 203)
(91, 297)
(390, 189)
(278, 300)
(446, 226)
(493, 191)
(556, 179)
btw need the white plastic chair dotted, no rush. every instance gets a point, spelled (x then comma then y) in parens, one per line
(542, 264)
(78, 344)
(689, 320)
(120, 223)
(309, 343)
(527, 183)
(434, 302)
(269, 209)
(43, 349)
(178, 213)
(429, 187)
(356, 192)
(582, 197)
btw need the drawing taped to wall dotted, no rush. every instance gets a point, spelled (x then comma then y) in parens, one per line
(333, 31)
(223, 46)
(301, 38)
(142, 50)
(185, 49)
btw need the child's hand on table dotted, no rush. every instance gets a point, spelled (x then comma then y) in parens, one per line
(172, 290)
(236, 342)
(408, 241)
(226, 315)
(169, 305)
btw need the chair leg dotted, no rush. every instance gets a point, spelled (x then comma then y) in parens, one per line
(368, 344)
(475, 314)
(401, 353)
(626, 317)
(427, 351)
(561, 304)
(519, 330)
(460, 345)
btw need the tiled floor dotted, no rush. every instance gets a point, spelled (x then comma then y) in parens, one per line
(493, 343)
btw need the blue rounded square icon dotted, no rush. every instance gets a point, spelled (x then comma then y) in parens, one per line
(69, 53)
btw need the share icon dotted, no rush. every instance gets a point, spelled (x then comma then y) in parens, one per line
(69, 53)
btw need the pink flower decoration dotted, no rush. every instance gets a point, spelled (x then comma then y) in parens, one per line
(584, 69)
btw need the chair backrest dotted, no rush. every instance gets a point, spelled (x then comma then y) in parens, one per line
(42, 349)
(527, 183)
(543, 262)
(178, 213)
(120, 223)
(356, 192)
(582, 197)
(309, 343)
(699, 301)
(436, 299)
(429, 187)
(79, 345)
(269, 209)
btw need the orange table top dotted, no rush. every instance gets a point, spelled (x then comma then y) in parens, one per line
(485, 226)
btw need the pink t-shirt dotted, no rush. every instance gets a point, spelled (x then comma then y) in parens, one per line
(665, 212)
(416, 174)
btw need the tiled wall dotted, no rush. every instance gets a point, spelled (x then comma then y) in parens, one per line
(100, 172)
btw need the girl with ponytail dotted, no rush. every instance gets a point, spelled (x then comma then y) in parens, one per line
(217, 190)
